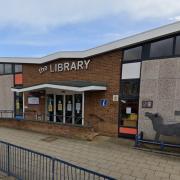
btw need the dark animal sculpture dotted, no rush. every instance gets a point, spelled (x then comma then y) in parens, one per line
(161, 128)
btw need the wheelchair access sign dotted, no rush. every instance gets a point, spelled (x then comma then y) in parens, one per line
(104, 102)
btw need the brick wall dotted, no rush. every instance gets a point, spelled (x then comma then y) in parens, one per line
(102, 68)
(70, 131)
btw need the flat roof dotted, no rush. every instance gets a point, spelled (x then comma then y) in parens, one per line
(122, 43)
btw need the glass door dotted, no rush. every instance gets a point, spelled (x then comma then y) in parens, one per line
(19, 105)
(69, 109)
(50, 107)
(78, 109)
(59, 108)
(129, 104)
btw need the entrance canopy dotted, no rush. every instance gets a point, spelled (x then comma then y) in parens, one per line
(78, 86)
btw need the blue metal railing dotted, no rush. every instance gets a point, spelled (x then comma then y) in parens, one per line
(26, 164)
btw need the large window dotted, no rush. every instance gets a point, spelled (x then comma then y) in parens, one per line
(8, 68)
(18, 68)
(177, 48)
(132, 54)
(161, 48)
(130, 89)
(1, 68)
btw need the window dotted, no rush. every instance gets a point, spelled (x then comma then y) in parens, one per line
(19, 104)
(162, 48)
(131, 70)
(132, 54)
(177, 48)
(18, 68)
(129, 113)
(130, 89)
(1, 68)
(8, 68)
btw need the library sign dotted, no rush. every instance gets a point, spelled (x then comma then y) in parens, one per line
(65, 66)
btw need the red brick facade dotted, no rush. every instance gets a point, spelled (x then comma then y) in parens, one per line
(102, 68)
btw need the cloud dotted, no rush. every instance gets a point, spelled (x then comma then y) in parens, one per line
(45, 14)
(176, 18)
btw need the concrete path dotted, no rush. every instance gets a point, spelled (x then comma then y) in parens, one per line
(111, 156)
(5, 177)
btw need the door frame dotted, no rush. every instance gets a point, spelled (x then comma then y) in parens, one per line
(55, 93)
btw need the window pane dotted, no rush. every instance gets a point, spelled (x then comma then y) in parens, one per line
(131, 70)
(1, 68)
(18, 68)
(133, 53)
(8, 68)
(162, 48)
(130, 89)
(129, 113)
(19, 104)
(78, 109)
(177, 49)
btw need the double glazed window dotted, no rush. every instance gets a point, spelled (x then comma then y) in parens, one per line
(177, 48)
(133, 54)
(18, 68)
(130, 89)
(10, 68)
(161, 48)
(169, 47)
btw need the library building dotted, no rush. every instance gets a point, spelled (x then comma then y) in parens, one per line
(117, 89)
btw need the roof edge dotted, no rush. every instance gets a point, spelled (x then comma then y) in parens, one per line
(118, 44)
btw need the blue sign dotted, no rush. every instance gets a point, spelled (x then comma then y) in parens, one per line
(104, 102)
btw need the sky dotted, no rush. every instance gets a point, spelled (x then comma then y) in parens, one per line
(35, 28)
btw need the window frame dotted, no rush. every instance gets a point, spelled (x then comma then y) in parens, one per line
(158, 41)
(18, 71)
(135, 59)
(6, 73)
(2, 69)
(124, 97)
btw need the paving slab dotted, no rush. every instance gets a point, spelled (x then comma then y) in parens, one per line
(107, 155)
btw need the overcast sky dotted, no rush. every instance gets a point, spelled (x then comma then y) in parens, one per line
(39, 27)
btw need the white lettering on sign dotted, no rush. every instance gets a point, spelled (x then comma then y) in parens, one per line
(43, 69)
(66, 66)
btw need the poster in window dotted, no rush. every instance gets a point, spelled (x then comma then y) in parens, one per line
(78, 107)
(69, 106)
(17, 105)
(128, 110)
(33, 100)
(59, 106)
(50, 107)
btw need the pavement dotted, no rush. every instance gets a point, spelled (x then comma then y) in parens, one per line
(114, 157)
(3, 176)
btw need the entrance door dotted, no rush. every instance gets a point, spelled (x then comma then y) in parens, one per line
(78, 109)
(50, 107)
(66, 108)
(59, 108)
(69, 109)
(128, 120)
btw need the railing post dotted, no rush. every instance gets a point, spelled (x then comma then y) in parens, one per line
(8, 160)
(53, 168)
